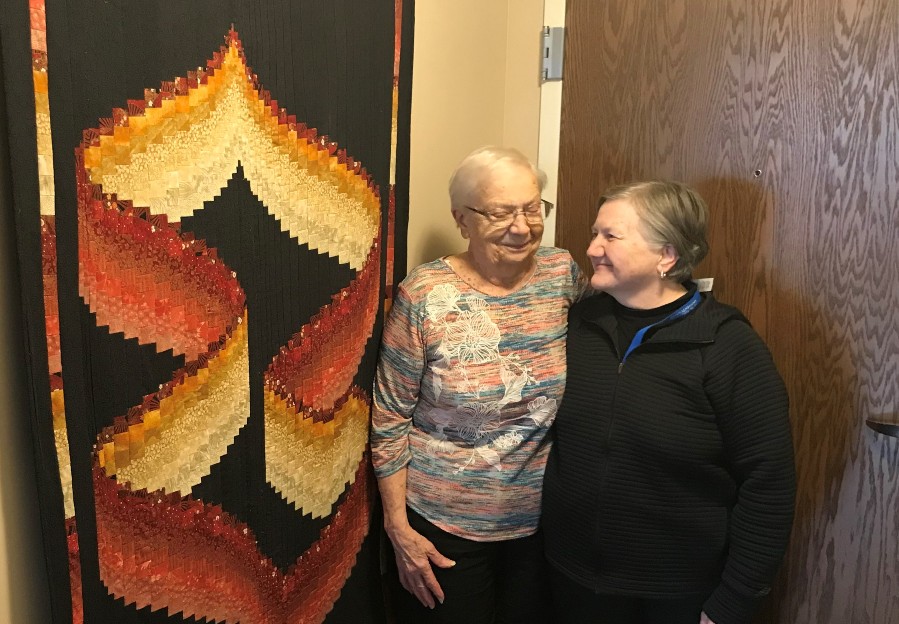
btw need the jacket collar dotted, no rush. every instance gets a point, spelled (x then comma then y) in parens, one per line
(700, 325)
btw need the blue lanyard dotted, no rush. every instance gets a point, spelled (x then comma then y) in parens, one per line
(684, 310)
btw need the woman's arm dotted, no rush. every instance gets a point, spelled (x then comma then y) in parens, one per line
(752, 410)
(401, 364)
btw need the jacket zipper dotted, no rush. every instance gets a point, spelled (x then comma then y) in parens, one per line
(605, 468)
(608, 445)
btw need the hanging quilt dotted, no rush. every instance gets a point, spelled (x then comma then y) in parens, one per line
(208, 197)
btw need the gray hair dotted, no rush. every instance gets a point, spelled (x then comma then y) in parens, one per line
(671, 213)
(473, 173)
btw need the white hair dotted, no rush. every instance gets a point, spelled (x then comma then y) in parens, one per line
(473, 173)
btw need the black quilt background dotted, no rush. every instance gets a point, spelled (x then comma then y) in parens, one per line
(330, 64)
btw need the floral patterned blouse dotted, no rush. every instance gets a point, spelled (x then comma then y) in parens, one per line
(466, 390)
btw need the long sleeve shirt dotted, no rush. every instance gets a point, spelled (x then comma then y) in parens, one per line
(467, 387)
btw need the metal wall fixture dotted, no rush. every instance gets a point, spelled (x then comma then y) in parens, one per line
(553, 53)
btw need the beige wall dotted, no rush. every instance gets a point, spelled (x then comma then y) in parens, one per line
(22, 574)
(20, 553)
(475, 81)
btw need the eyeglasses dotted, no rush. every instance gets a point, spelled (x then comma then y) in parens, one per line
(533, 213)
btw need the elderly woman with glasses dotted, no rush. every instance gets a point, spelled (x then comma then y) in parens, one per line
(471, 371)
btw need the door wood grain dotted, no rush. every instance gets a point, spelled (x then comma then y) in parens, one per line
(785, 115)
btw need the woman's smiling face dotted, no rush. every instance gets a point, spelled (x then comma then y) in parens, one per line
(624, 263)
(508, 189)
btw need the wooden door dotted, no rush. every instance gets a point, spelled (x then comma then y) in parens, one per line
(785, 115)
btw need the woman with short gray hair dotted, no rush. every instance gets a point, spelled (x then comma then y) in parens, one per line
(668, 496)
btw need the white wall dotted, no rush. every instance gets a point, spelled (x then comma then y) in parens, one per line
(475, 81)
(549, 125)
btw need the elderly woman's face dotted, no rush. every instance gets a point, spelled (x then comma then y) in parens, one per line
(510, 191)
(624, 262)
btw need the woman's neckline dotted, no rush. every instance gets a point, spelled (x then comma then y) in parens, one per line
(662, 298)
(479, 288)
(665, 308)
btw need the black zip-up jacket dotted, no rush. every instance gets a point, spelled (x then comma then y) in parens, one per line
(672, 472)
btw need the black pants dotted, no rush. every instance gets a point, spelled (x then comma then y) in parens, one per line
(492, 582)
(575, 604)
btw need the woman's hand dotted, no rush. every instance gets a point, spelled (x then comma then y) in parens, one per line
(414, 552)
(704, 619)
(414, 556)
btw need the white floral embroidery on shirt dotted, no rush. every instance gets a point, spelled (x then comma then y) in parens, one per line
(438, 443)
(542, 411)
(515, 377)
(471, 337)
(508, 441)
(441, 301)
(477, 420)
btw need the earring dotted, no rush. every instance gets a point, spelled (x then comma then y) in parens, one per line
(662, 274)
